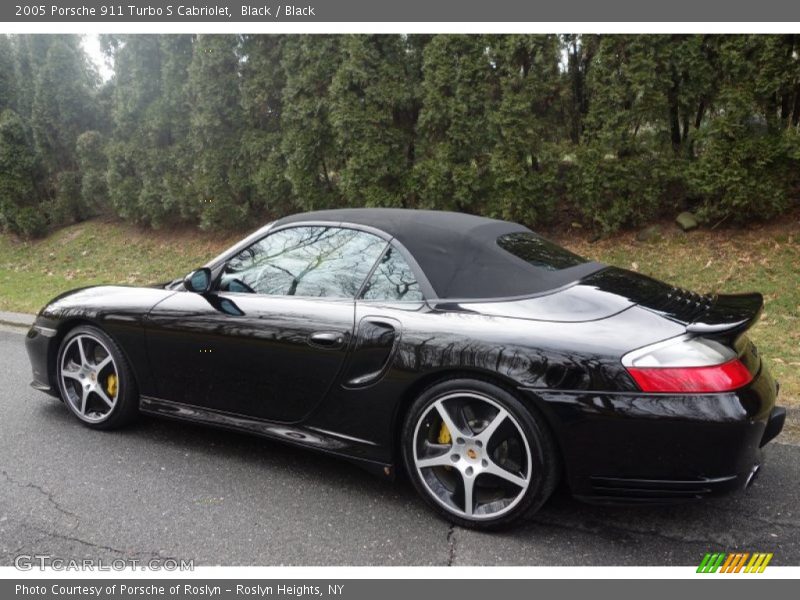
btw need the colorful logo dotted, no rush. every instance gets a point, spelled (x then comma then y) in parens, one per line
(734, 563)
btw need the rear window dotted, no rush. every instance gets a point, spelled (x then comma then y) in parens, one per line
(538, 251)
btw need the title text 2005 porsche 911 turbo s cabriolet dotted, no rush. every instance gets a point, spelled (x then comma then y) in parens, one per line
(485, 361)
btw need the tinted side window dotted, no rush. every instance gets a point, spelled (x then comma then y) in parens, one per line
(305, 261)
(393, 279)
(538, 251)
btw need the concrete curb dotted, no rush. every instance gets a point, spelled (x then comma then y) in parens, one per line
(12, 319)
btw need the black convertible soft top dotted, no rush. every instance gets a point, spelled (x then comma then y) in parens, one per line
(458, 253)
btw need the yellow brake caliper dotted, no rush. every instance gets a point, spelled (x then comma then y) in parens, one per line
(111, 385)
(444, 434)
(444, 438)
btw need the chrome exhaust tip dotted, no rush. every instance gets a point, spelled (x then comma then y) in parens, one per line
(751, 477)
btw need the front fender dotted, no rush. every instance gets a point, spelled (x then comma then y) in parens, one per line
(120, 311)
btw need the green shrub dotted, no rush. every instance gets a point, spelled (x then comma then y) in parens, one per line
(30, 222)
(612, 192)
(18, 171)
(528, 194)
(744, 176)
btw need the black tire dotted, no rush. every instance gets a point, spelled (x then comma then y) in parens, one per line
(543, 471)
(126, 399)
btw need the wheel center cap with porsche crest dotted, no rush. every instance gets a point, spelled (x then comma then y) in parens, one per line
(472, 454)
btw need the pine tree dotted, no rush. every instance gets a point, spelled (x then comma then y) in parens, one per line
(459, 92)
(63, 106)
(527, 125)
(8, 79)
(171, 161)
(746, 157)
(150, 160)
(216, 131)
(137, 85)
(313, 160)
(373, 113)
(30, 55)
(580, 51)
(263, 83)
(18, 172)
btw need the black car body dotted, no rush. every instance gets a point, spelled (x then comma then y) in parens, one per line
(475, 299)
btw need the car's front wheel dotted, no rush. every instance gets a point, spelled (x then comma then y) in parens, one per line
(95, 380)
(477, 454)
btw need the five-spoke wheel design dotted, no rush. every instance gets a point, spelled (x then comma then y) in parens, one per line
(89, 377)
(472, 455)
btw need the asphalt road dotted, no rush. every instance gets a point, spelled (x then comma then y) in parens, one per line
(167, 489)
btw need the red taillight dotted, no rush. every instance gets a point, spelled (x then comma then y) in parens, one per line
(715, 378)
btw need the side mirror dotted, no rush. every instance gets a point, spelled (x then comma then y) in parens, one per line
(198, 281)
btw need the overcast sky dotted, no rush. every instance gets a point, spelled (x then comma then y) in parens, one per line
(91, 43)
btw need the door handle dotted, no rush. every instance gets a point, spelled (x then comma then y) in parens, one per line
(326, 339)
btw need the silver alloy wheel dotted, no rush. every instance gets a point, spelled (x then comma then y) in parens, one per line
(85, 370)
(451, 472)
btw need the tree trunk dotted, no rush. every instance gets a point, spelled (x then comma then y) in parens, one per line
(674, 113)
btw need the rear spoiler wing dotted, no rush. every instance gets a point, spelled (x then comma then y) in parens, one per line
(729, 315)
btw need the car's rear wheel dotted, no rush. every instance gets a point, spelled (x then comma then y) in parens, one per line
(477, 454)
(95, 380)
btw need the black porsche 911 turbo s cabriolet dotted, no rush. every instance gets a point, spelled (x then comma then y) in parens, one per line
(486, 361)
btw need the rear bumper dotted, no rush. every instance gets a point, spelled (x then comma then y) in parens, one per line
(633, 448)
(609, 490)
(774, 425)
